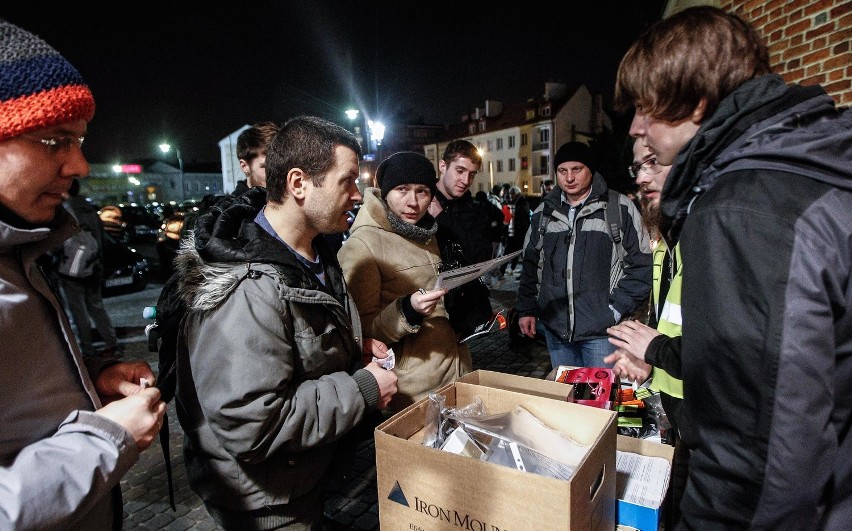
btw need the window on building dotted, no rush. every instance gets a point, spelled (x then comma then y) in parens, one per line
(500, 165)
(511, 141)
(545, 110)
(499, 144)
(530, 114)
(543, 164)
(512, 164)
(490, 145)
(544, 135)
(525, 164)
(525, 140)
(482, 126)
(471, 128)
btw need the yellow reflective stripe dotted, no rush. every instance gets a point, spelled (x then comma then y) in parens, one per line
(664, 382)
(671, 313)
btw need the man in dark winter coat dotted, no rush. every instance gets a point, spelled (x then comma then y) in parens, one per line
(760, 198)
(459, 218)
(269, 357)
(572, 278)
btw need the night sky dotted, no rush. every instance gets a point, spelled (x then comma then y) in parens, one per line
(194, 72)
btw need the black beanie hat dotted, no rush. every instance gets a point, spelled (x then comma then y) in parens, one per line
(576, 152)
(405, 167)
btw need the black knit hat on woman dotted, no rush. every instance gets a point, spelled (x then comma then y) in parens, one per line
(405, 167)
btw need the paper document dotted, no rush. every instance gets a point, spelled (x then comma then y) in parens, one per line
(640, 479)
(462, 275)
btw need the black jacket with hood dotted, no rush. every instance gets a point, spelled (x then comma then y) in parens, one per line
(767, 309)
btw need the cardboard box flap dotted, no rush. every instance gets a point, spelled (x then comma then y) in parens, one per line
(421, 487)
(519, 384)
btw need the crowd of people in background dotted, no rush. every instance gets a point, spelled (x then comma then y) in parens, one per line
(726, 282)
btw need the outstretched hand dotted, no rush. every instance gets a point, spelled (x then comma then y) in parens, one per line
(632, 336)
(625, 365)
(424, 302)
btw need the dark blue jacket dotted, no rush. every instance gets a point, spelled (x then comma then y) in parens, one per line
(571, 284)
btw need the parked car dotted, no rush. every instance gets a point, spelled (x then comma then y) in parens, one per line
(125, 269)
(129, 223)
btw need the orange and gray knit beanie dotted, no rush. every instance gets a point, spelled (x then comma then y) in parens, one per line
(38, 87)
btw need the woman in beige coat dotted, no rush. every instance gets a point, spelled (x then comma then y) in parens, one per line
(391, 262)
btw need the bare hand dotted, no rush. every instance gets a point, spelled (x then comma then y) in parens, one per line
(424, 302)
(527, 325)
(632, 336)
(387, 383)
(435, 208)
(122, 380)
(625, 365)
(141, 415)
(373, 347)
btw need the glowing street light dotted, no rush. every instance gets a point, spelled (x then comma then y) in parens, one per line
(165, 147)
(377, 133)
(352, 114)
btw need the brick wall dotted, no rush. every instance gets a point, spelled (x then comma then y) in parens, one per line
(809, 40)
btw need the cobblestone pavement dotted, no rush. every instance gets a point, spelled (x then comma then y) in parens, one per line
(353, 500)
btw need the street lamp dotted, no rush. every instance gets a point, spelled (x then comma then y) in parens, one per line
(377, 133)
(165, 148)
(352, 114)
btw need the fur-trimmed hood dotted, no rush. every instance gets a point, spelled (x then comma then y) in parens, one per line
(226, 243)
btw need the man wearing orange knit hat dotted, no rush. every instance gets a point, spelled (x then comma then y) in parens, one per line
(62, 451)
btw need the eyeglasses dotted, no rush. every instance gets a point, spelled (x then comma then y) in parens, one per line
(58, 144)
(649, 166)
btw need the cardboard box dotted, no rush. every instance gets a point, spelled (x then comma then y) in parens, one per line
(628, 515)
(421, 488)
(632, 516)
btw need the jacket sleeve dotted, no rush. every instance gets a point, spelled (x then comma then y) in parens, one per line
(360, 267)
(528, 284)
(635, 286)
(253, 390)
(664, 352)
(55, 481)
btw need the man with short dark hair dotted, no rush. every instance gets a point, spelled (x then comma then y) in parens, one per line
(760, 199)
(459, 218)
(62, 452)
(269, 357)
(251, 151)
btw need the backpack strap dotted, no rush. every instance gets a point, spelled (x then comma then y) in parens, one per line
(543, 221)
(612, 217)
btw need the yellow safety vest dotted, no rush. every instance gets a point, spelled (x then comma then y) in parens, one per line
(669, 322)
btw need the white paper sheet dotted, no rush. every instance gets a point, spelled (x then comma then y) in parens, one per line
(462, 275)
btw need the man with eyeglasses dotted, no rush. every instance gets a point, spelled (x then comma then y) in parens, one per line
(654, 349)
(62, 451)
(571, 278)
(759, 199)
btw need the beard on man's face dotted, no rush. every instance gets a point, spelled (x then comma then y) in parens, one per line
(651, 214)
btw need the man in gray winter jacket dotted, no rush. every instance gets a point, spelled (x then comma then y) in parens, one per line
(269, 358)
(760, 198)
(62, 453)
